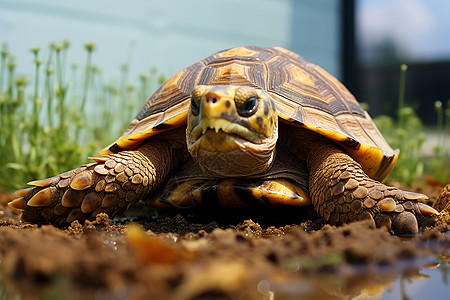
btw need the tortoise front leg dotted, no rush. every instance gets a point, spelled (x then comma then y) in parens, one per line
(341, 192)
(111, 185)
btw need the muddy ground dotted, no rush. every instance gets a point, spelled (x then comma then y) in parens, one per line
(251, 255)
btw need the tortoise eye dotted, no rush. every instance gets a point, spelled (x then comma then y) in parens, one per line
(194, 106)
(249, 107)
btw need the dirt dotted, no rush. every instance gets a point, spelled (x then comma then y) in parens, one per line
(210, 256)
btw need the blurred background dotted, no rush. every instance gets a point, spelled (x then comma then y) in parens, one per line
(362, 42)
(96, 62)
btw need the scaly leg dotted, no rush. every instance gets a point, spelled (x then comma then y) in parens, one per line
(341, 192)
(111, 185)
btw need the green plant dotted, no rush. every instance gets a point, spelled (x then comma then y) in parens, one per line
(439, 165)
(408, 135)
(66, 117)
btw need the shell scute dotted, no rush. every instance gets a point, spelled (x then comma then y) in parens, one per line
(305, 95)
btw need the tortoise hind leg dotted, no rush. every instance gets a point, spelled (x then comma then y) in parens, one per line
(110, 185)
(341, 192)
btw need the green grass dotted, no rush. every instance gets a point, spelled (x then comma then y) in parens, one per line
(439, 163)
(409, 135)
(53, 121)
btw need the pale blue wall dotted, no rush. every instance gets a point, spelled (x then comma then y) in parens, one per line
(315, 32)
(170, 34)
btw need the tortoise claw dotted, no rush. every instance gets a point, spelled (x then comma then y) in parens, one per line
(42, 198)
(412, 196)
(405, 223)
(18, 203)
(99, 159)
(24, 193)
(427, 210)
(44, 182)
(72, 198)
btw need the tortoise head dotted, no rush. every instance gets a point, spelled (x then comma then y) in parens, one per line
(232, 130)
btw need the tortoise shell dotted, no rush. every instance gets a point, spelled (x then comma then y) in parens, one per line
(305, 95)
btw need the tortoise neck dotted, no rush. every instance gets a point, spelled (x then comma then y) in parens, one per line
(248, 159)
(299, 142)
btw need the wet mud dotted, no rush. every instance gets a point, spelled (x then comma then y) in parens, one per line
(277, 255)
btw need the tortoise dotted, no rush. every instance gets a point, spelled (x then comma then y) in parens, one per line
(244, 127)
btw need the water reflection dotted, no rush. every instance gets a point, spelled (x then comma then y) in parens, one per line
(429, 281)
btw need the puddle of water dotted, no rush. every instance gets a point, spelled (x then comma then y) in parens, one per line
(429, 281)
(432, 283)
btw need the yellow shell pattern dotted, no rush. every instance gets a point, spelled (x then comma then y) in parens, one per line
(305, 95)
